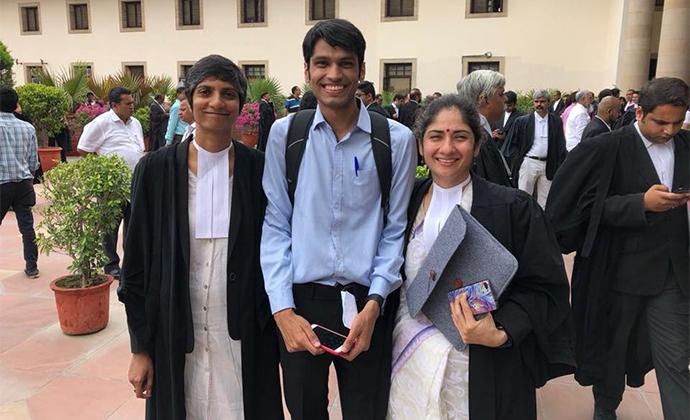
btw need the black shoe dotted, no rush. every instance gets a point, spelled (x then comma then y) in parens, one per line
(601, 413)
(115, 272)
(32, 273)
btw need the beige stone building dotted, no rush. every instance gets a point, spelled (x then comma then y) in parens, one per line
(428, 44)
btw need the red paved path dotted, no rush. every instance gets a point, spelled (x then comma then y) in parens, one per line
(45, 375)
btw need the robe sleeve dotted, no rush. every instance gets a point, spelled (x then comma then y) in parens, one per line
(574, 191)
(536, 300)
(624, 211)
(512, 142)
(134, 279)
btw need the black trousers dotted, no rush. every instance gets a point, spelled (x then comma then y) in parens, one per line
(21, 197)
(110, 240)
(666, 316)
(305, 377)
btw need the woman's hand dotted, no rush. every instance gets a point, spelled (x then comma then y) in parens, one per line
(141, 374)
(482, 332)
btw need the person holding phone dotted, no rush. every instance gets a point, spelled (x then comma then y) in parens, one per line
(621, 203)
(331, 254)
(512, 350)
(203, 342)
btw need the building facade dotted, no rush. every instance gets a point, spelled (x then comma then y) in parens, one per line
(428, 44)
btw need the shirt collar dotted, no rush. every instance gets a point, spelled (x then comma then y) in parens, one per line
(539, 118)
(115, 118)
(363, 119)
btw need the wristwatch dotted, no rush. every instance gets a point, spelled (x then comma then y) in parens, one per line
(376, 298)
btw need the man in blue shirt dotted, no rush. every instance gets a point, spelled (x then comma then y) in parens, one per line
(335, 256)
(176, 126)
(18, 162)
(292, 101)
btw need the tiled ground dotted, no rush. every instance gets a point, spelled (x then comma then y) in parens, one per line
(45, 375)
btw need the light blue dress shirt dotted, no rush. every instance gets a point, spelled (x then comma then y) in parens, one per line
(336, 232)
(175, 123)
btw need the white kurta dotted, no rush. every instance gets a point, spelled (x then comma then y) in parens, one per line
(213, 371)
(430, 379)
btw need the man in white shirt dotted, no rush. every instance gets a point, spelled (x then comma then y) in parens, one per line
(115, 132)
(536, 148)
(578, 119)
(608, 112)
(633, 97)
(558, 105)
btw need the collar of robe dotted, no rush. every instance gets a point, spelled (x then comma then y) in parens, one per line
(212, 193)
(443, 201)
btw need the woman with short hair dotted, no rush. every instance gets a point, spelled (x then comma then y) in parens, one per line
(203, 341)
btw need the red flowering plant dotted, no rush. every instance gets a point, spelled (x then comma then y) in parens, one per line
(83, 115)
(248, 121)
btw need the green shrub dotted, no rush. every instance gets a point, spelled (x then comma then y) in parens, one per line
(525, 103)
(422, 172)
(85, 200)
(47, 106)
(6, 63)
(142, 114)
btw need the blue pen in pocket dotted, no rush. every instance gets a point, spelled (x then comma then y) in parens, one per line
(356, 166)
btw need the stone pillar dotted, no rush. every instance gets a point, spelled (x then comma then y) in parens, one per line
(674, 42)
(635, 44)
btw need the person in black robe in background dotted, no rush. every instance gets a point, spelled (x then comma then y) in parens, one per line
(612, 205)
(407, 113)
(158, 118)
(61, 140)
(502, 126)
(534, 310)
(267, 116)
(155, 275)
(485, 88)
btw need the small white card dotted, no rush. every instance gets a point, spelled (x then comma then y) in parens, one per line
(349, 308)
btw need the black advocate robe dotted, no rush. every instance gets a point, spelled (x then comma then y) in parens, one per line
(490, 165)
(595, 127)
(596, 209)
(520, 139)
(155, 274)
(267, 116)
(534, 309)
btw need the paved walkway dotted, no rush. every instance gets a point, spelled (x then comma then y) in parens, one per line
(45, 375)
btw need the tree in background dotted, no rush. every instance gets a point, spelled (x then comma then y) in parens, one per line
(6, 63)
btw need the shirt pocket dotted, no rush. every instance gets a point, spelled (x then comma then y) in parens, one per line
(364, 188)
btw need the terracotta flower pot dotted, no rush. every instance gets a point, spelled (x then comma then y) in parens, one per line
(250, 139)
(82, 311)
(49, 157)
(74, 141)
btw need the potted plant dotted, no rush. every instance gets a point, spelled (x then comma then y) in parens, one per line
(47, 106)
(248, 124)
(84, 199)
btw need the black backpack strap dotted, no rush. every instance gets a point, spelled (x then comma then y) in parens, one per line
(381, 147)
(298, 134)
